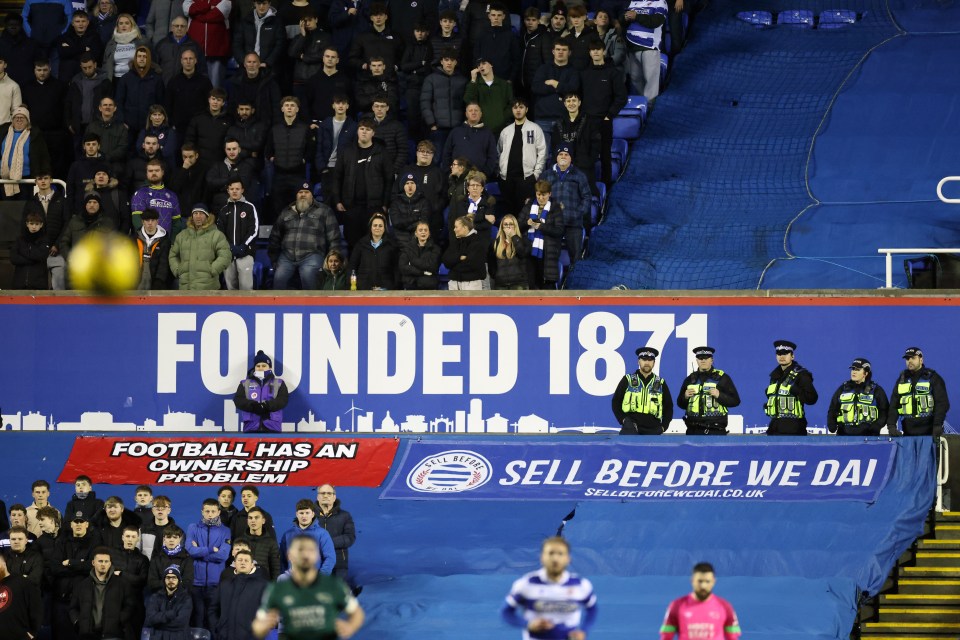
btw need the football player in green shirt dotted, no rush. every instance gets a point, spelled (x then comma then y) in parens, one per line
(309, 603)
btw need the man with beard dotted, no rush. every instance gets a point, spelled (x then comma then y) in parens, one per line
(301, 237)
(919, 397)
(642, 401)
(700, 614)
(309, 604)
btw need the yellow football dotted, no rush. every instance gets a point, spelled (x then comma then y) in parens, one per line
(106, 263)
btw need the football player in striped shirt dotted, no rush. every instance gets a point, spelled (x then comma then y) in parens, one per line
(552, 603)
(701, 615)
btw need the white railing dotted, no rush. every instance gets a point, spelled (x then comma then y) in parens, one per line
(943, 471)
(914, 251)
(31, 182)
(940, 190)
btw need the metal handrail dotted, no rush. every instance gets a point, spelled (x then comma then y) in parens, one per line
(912, 251)
(940, 190)
(943, 471)
(62, 183)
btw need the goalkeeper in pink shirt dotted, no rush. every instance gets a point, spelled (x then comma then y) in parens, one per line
(701, 615)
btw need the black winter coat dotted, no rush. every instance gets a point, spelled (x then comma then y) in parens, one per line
(320, 90)
(262, 92)
(220, 173)
(28, 565)
(266, 553)
(29, 259)
(159, 276)
(291, 146)
(416, 63)
(441, 99)
(805, 393)
(169, 616)
(375, 267)
(22, 610)
(55, 216)
(394, 137)
(45, 102)
(186, 98)
(273, 39)
(71, 46)
(135, 96)
(339, 524)
(414, 262)
(161, 561)
(252, 136)
(307, 54)
(507, 272)
(487, 205)
(375, 174)
(369, 44)
(91, 505)
(536, 48)
(476, 144)
(604, 91)
(207, 132)
(369, 86)
(118, 605)
(405, 212)
(134, 569)
(552, 229)
(474, 247)
(111, 536)
(238, 601)
(501, 48)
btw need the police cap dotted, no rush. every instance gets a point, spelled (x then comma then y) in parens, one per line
(784, 346)
(704, 352)
(647, 353)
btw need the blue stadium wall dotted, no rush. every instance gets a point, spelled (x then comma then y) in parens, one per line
(437, 364)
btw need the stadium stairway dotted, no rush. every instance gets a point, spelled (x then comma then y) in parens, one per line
(784, 156)
(923, 600)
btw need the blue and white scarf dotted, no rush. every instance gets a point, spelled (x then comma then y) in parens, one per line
(535, 236)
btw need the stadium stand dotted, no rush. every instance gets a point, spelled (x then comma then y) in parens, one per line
(767, 163)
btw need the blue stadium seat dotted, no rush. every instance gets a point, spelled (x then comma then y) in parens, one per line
(837, 19)
(493, 189)
(602, 188)
(664, 65)
(759, 19)
(801, 18)
(516, 23)
(619, 149)
(629, 122)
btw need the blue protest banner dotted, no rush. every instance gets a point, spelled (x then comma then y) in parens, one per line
(643, 470)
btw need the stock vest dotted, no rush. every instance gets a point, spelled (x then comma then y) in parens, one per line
(703, 404)
(781, 400)
(916, 400)
(640, 398)
(858, 407)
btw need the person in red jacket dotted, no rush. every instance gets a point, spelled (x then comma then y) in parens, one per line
(208, 27)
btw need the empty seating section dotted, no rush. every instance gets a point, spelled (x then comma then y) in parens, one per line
(721, 169)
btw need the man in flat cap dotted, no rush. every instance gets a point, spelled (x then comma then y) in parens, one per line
(706, 395)
(790, 388)
(920, 398)
(642, 401)
(859, 407)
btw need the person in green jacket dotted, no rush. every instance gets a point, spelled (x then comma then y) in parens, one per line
(333, 276)
(200, 253)
(493, 94)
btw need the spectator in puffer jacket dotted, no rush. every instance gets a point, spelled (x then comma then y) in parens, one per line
(306, 524)
(374, 258)
(200, 253)
(208, 543)
(169, 609)
(338, 523)
(420, 260)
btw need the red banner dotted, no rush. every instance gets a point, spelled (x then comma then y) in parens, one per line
(298, 462)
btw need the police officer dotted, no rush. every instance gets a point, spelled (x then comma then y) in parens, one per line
(642, 401)
(920, 398)
(261, 397)
(790, 388)
(706, 396)
(859, 407)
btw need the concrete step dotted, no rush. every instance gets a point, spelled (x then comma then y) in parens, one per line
(948, 516)
(938, 559)
(939, 615)
(933, 586)
(930, 572)
(947, 532)
(922, 629)
(938, 545)
(920, 599)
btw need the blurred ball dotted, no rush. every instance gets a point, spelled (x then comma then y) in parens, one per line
(106, 263)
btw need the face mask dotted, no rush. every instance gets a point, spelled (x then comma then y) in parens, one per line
(259, 374)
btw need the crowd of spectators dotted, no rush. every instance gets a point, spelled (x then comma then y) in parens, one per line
(103, 569)
(327, 119)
